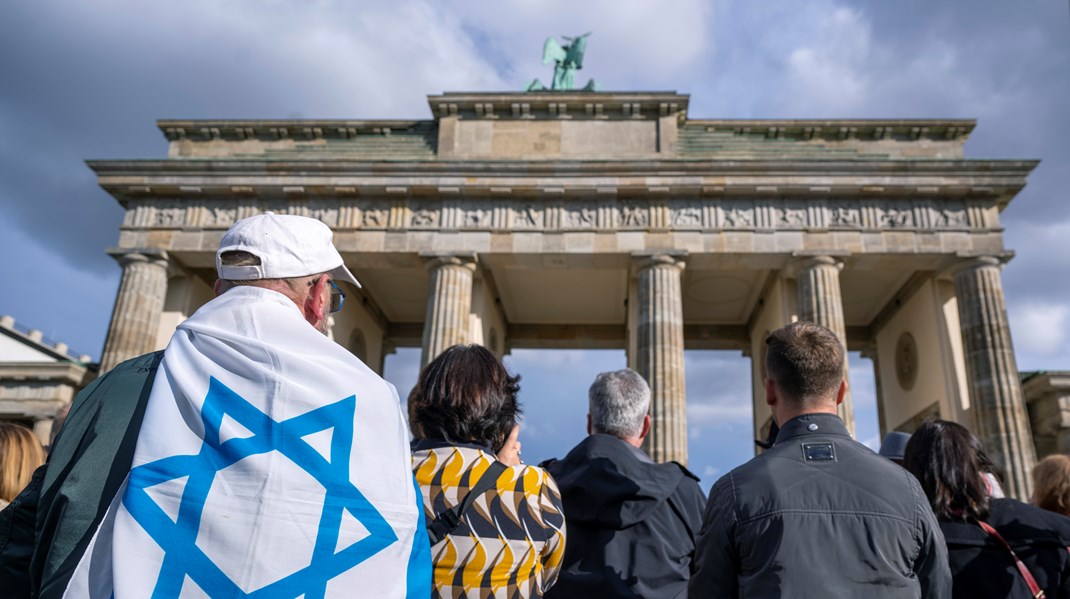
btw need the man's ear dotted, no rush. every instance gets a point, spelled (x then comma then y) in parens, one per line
(218, 287)
(588, 424)
(770, 391)
(315, 301)
(647, 422)
(841, 392)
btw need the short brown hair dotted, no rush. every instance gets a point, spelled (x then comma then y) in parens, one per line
(1051, 484)
(20, 454)
(465, 395)
(805, 360)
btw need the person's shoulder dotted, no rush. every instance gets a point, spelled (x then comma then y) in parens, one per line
(140, 365)
(1016, 511)
(688, 475)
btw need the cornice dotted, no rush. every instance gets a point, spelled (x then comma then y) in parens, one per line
(936, 179)
(559, 105)
(667, 167)
(274, 129)
(842, 129)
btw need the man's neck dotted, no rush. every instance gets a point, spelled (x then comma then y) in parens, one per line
(636, 442)
(785, 415)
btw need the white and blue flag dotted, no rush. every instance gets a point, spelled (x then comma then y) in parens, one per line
(271, 463)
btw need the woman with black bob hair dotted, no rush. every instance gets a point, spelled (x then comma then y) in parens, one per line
(496, 524)
(997, 547)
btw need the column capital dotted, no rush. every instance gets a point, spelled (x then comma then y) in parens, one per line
(966, 263)
(125, 256)
(801, 261)
(647, 259)
(433, 260)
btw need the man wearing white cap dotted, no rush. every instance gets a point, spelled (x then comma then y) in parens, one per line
(253, 455)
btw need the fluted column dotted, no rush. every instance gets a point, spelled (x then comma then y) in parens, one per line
(135, 321)
(995, 389)
(660, 355)
(449, 304)
(819, 301)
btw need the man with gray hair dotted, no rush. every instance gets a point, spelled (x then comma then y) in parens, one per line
(631, 522)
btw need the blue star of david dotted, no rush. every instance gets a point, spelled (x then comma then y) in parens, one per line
(182, 556)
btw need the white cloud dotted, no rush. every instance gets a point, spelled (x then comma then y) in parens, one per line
(1039, 328)
(721, 414)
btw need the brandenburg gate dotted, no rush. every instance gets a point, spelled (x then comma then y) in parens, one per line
(613, 220)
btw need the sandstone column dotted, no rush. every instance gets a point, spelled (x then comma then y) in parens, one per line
(449, 304)
(135, 321)
(995, 390)
(819, 301)
(660, 354)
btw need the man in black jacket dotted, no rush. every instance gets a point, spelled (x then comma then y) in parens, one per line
(631, 522)
(817, 514)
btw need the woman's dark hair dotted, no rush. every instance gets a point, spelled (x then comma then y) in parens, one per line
(948, 461)
(465, 395)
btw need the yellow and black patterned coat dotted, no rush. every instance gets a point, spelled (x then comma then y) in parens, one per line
(509, 544)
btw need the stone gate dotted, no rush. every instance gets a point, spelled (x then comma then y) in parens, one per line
(613, 220)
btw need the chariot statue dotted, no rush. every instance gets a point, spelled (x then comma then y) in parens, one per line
(567, 59)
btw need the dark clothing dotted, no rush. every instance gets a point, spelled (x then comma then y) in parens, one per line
(49, 526)
(819, 515)
(631, 523)
(983, 568)
(16, 538)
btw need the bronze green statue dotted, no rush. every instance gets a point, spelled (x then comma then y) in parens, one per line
(567, 60)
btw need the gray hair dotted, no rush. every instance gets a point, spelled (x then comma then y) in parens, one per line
(618, 401)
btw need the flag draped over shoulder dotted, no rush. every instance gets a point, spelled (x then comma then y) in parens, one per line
(271, 463)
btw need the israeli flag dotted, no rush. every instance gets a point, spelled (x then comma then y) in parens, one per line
(271, 463)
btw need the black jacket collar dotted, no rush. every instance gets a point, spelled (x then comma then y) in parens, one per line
(423, 444)
(812, 424)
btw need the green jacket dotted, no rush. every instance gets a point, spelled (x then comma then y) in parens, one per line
(45, 531)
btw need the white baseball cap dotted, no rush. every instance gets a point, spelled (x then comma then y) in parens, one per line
(288, 246)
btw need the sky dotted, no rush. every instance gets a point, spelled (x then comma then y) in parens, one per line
(87, 80)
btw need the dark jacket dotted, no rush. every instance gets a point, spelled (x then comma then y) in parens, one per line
(47, 528)
(819, 515)
(631, 523)
(983, 568)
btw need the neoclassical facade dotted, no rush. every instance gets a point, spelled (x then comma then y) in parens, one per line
(613, 220)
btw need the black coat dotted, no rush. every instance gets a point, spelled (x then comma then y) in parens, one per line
(631, 523)
(983, 568)
(819, 515)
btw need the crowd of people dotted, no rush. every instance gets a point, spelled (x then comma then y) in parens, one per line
(255, 456)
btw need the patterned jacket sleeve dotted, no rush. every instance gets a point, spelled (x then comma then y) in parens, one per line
(553, 520)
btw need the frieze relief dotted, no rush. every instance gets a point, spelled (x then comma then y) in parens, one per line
(844, 215)
(687, 217)
(425, 218)
(581, 217)
(739, 216)
(528, 216)
(895, 217)
(791, 217)
(949, 217)
(375, 216)
(684, 214)
(219, 216)
(169, 214)
(323, 210)
(634, 215)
